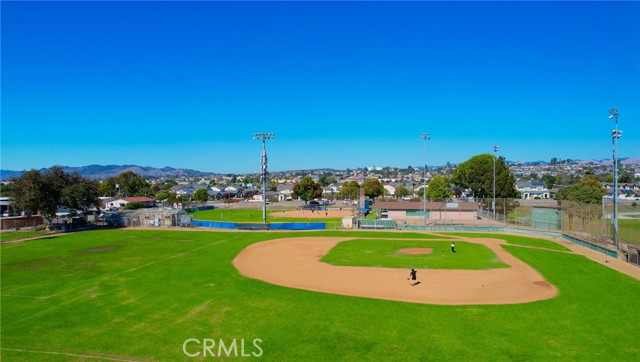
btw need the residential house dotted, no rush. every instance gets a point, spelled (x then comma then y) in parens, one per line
(533, 190)
(389, 189)
(329, 191)
(121, 202)
(285, 192)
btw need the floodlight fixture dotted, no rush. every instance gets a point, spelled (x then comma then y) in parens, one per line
(264, 136)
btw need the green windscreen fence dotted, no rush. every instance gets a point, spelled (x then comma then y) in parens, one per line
(417, 213)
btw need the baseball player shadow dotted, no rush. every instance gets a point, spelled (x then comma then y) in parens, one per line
(416, 283)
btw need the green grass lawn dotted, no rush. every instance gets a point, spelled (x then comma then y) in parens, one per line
(383, 253)
(16, 235)
(233, 215)
(632, 224)
(138, 295)
(516, 240)
(629, 230)
(255, 216)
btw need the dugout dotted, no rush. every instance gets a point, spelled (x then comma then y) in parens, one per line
(158, 218)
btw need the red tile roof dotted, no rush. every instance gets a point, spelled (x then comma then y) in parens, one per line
(138, 199)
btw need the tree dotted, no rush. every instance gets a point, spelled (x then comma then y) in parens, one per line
(402, 191)
(127, 183)
(625, 177)
(549, 181)
(80, 192)
(27, 191)
(326, 179)
(201, 195)
(350, 189)
(307, 189)
(107, 187)
(44, 192)
(574, 197)
(133, 184)
(439, 188)
(171, 198)
(156, 187)
(373, 188)
(134, 205)
(476, 175)
(273, 186)
(161, 196)
(589, 191)
(5, 190)
(251, 180)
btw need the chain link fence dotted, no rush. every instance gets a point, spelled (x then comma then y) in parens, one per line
(589, 222)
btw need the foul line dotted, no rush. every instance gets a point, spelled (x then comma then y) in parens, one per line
(71, 354)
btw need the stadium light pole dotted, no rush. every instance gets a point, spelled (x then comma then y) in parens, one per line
(264, 137)
(615, 134)
(425, 137)
(493, 204)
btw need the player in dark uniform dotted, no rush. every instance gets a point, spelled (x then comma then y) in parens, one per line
(413, 277)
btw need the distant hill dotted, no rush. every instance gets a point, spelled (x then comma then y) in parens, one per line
(102, 172)
(608, 161)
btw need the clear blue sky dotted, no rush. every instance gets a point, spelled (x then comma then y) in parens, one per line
(342, 84)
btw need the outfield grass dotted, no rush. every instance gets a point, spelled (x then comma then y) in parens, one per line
(516, 240)
(17, 235)
(233, 215)
(384, 253)
(629, 230)
(139, 295)
(255, 216)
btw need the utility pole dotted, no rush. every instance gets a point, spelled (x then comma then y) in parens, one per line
(264, 137)
(615, 134)
(425, 137)
(493, 204)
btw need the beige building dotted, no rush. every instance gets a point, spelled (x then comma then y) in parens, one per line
(411, 213)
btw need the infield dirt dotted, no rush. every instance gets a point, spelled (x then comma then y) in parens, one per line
(295, 263)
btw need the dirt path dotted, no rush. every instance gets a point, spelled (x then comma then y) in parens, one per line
(295, 262)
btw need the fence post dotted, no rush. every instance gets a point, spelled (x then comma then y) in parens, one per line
(504, 211)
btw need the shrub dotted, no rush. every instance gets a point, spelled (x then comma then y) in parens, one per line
(134, 205)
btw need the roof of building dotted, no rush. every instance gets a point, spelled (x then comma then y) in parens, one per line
(417, 205)
(531, 184)
(138, 199)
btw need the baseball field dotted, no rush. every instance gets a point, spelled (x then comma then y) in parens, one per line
(160, 295)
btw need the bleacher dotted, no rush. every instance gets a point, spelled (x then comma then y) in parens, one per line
(379, 224)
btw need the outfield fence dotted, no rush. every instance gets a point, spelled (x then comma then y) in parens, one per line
(591, 223)
(260, 226)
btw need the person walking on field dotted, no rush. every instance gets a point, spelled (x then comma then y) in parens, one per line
(413, 277)
(453, 247)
